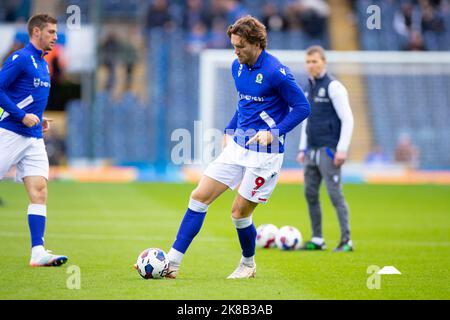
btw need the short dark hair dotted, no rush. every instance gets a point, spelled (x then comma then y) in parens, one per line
(316, 49)
(40, 21)
(251, 29)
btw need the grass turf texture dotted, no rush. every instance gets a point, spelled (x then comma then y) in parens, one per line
(103, 228)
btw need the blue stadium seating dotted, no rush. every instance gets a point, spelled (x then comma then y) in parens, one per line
(416, 106)
(125, 130)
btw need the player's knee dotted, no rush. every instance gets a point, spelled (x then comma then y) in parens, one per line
(239, 212)
(38, 194)
(201, 196)
(337, 199)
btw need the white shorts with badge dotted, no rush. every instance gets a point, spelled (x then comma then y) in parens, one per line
(256, 172)
(26, 153)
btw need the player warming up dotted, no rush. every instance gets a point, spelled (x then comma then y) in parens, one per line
(24, 91)
(270, 105)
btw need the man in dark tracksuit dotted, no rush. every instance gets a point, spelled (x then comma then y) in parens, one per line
(323, 147)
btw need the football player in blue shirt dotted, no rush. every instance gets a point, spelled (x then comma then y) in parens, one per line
(270, 105)
(24, 91)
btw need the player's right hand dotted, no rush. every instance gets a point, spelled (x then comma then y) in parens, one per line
(301, 157)
(30, 120)
(46, 124)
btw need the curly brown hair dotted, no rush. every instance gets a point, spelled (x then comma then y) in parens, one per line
(251, 29)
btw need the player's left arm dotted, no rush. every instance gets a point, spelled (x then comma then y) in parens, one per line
(290, 91)
(303, 143)
(339, 96)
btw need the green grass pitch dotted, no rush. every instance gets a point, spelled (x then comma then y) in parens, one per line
(103, 228)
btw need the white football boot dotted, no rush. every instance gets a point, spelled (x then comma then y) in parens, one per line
(243, 272)
(47, 259)
(172, 272)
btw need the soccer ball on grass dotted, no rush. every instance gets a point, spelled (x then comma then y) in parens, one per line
(289, 238)
(152, 263)
(265, 236)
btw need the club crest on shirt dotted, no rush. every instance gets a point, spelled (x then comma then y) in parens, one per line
(259, 78)
(321, 92)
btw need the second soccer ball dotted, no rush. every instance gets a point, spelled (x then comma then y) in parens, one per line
(289, 238)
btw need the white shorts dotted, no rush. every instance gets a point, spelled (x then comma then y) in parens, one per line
(26, 153)
(256, 172)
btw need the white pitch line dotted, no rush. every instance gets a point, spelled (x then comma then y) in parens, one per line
(92, 236)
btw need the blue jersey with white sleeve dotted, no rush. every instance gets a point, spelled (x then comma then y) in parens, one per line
(24, 88)
(268, 99)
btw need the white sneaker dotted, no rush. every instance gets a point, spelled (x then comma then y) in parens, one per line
(243, 271)
(47, 259)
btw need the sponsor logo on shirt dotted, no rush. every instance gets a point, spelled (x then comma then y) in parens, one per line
(250, 98)
(318, 99)
(38, 82)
